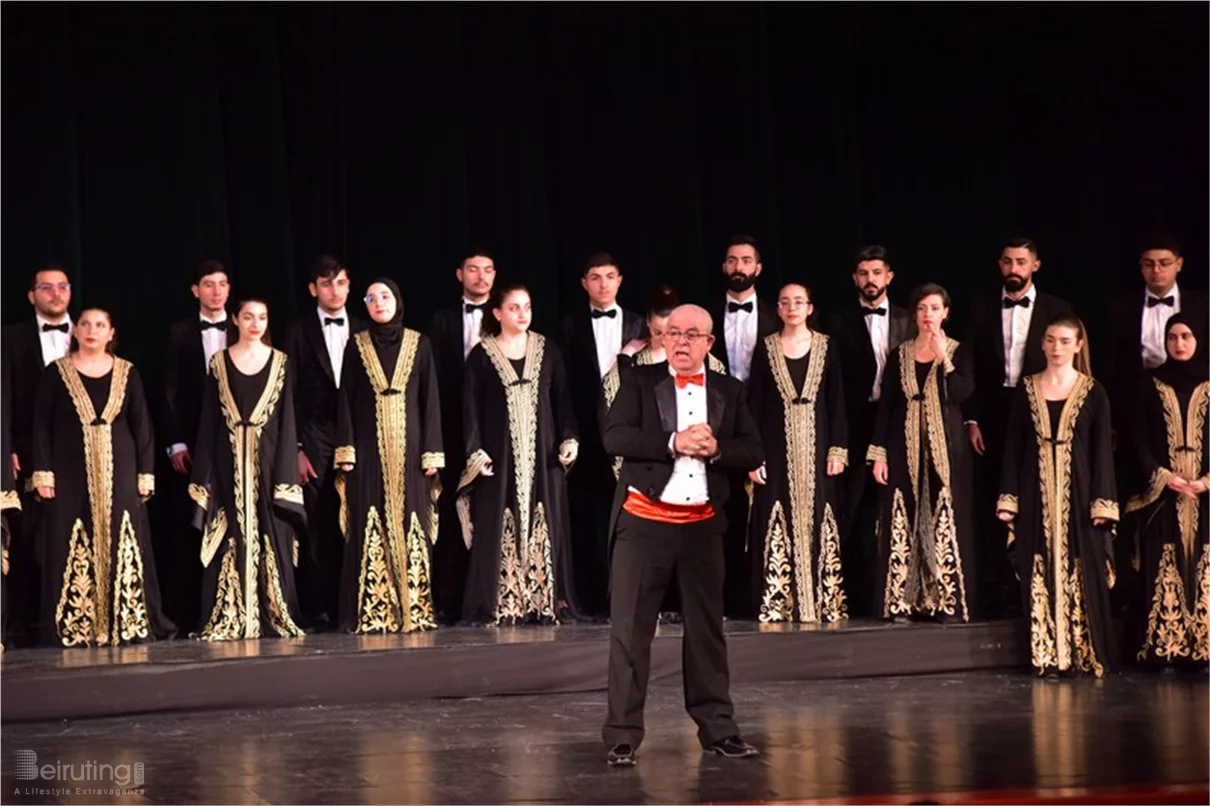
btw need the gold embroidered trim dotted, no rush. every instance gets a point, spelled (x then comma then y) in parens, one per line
(377, 601)
(463, 507)
(1007, 503)
(777, 599)
(611, 383)
(420, 593)
(130, 620)
(1104, 508)
(290, 493)
(893, 603)
(476, 463)
(226, 622)
(1200, 619)
(715, 364)
(1169, 621)
(1155, 488)
(41, 478)
(345, 455)
(340, 483)
(875, 453)
(1186, 463)
(76, 614)
(432, 459)
(199, 495)
(147, 479)
(1081, 633)
(1042, 651)
(9, 500)
(212, 537)
(832, 606)
(279, 611)
(838, 455)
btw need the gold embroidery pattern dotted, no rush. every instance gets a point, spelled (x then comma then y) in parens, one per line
(1043, 653)
(951, 583)
(432, 459)
(1085, 653)
(1155, 488)
(213, 536)
(509, 607)
(539, 565)
(377, 603)
(130, 620)
(838, 455)
(777, 600)
(226, 622)
(147, 481)
(875, 453)
(893, 603)
(290, 493)
(463, 507)
(1169, 621)
(341, 483)
(344, 455)
(832, 606)
(1104, 508)
(76, 613)
(1007, 503)
(1185, 463)
(279, 611)
(199, 495)
(420, 592)
(9, 500)
(41, 478)
(1200, 619)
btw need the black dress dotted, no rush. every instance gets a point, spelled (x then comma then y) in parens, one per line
(794, 540)
(245, 484)
(93, 443)
(1173, 530)
(515, 522)
(925, 541)
(389, 429)
(1057, 477)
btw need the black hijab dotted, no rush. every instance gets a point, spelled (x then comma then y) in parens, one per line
(387, 334)
(1184, 376)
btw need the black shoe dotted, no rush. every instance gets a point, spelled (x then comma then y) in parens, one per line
(733, 747)
(621, 755)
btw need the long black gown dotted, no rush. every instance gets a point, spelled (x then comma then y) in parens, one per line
(93, 442)
(794, 541)
(925, 541)
(1057, 477)
(1173, 530)
(246, 487)
(10, 501)
(389, 428)
(516, 414)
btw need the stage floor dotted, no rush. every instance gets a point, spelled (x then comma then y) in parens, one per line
(976, 737)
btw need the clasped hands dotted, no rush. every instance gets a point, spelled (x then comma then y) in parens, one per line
(1192, 489)
(696, 440)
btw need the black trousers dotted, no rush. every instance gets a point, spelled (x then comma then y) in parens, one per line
(999, 589)
(320, 558)
(646, 554)
(859, 524)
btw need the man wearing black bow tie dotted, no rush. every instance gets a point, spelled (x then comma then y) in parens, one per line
(31, 346)
(591, 338)
(454, 332)
(1006, 336)
(865, 333)
(316, 347)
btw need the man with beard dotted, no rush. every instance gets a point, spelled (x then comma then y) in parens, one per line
(746, 320)
(1006, 337)
(454, 332)
(30, 347)
(865, 334)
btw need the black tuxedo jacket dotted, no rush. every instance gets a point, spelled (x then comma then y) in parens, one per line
(985, 338)
(315, 392)
(445, 336)
(185, 380)
(859, 367)
(579, 346)
(644, 418)
(23, 354)
(767, 321)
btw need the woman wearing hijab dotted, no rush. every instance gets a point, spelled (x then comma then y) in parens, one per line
(389, 438)
(1170, 515)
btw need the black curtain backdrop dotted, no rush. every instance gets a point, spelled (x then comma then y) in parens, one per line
(141, 139)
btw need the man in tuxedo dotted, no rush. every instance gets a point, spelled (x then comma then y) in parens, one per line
(192, 343)
(316, 347)
(1005, 335)
(745, 319)
(454, 332)
(682, 431)
(867, 335)
(590, 339)
(30, 347)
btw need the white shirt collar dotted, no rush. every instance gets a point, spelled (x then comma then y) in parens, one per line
(1031, 294)
(42, 320)
(202, 317)
(701, 369)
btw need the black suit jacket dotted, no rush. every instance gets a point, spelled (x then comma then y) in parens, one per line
(859, 366)
(23, 353)
(185, 380)
(767, 321)
(315, 392)
(985, 338)
(579, 346)
(445, 335)
(644, 418)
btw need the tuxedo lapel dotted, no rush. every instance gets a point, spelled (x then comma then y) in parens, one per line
(715, 406)
(901, 324)
(995, 321)
(313, 332)
(767, 321)
(1042, 313)
(665, 401)
(720, 336)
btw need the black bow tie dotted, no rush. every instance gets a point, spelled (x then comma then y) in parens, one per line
(611, 313)
(63, 328)
(1170, 301)
(220, 325)
(872, 311)
(1013, 303)
(732, 307)
(471, 307)
(337, 320)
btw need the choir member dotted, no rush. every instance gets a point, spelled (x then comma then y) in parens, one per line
(1171, 515)
(521, 439)
(10, 501)
(864, 335)
(922, 457)
(315, 346)
(592, 337)
(454, 332)
(246, 488)
(681, 431)
(795, 393)
(1006, 342)
(389, 437)
(93, 470)
(1058, 492)
(30, 347)
(192, 343)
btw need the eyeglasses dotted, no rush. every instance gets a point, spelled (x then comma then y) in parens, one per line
(691, 336)
(1166, 263)
(384, 296)
(47, 288)
(788, 304)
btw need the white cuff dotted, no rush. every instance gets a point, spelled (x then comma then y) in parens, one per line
(177, 447)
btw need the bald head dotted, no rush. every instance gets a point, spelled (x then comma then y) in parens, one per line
(688, 338)
(691, 317)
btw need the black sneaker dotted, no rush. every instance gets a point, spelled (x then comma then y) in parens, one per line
(733, 747)
(621, 755)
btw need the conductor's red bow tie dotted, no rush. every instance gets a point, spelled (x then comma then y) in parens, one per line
(684, 380)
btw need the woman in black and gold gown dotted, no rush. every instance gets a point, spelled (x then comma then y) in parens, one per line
(1169, 515)
(245, 484)
(1057, 491)
(921, 455)
(796, 395)
(388, 433)
(94, 458)
(521, 439)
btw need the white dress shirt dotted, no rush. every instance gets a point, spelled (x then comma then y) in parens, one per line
(607, 335)
(687, 486)
(471, 327)
(740, 329)
(55, 343)
(214, 339)
(335, 338)
(1155, 352)
(879, 328)
(1014, 326)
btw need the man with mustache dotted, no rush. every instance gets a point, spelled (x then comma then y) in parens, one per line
(1006, 336)
(865, 334)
